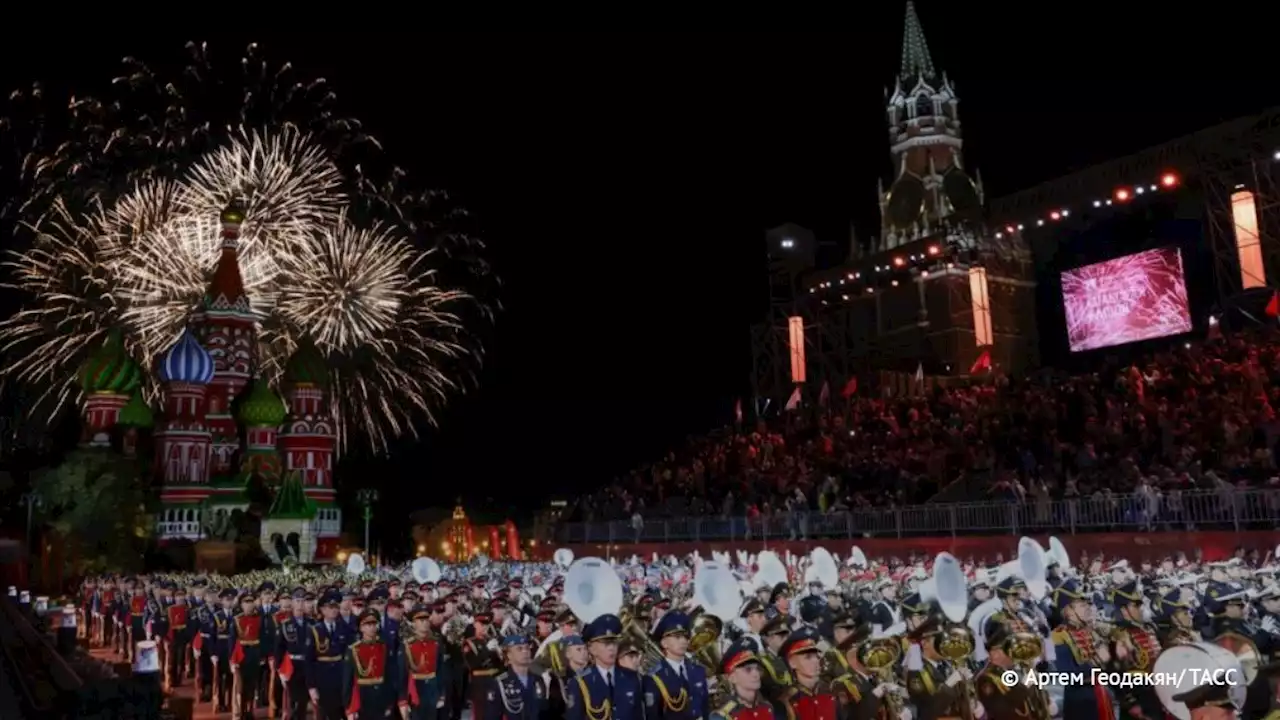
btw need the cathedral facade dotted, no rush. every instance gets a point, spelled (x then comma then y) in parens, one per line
(222, 431)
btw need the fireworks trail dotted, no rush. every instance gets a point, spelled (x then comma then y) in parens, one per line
(120, 204)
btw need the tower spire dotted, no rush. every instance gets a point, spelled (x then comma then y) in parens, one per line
(916, 62)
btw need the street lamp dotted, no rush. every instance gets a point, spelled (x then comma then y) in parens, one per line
(367, 497)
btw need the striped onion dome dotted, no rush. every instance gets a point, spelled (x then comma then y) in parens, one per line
(109, 369)
(261, 407)
(187, 362)
(136, 413)
(306, 367)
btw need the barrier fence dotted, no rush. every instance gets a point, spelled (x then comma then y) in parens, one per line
(1233, 510)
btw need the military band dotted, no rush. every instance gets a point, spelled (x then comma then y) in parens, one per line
(519, 649)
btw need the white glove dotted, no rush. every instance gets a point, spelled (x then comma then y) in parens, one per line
(1270, 625)
(904, 714)
(978, 710)
(954, 679)
(492, 645)
(440, 703)
(1053, 709)
(880, 691)
(966, 672)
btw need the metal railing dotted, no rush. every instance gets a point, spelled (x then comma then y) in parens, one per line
(1223, 510)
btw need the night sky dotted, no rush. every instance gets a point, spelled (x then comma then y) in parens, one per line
(624, 184)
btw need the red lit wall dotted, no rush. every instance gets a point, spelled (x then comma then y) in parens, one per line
(1135, 547)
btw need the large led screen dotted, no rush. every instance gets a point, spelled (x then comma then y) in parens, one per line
(1136, 297)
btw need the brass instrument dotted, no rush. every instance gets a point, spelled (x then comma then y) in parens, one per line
(1026, 649)
(880, 656)
(955, 643)
(704, 641)
(637, 630)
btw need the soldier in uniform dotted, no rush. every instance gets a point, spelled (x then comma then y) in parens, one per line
(1020, 701)
(605, 691)
(1173, 620)
(177, 638)
(138, 604)
(519, 693)
(292, 653)
(1077, 650)
(677, 689)
(1208, 702)
(753, 614)
(1134, 647)
(777, 678)
(325, 656)
(424, 660)
(629, 654)
(864, 694)
(742, 668)
(1010, 591)
(575, 663)
(884, 611)
(937, 687)
(808, 698)
(220, 652)
(481, 658)
(780, 600)
(246, 655)
(834, 661)
(1225, 606)
(370, 686)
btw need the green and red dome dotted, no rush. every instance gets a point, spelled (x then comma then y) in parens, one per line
(109, 369)
(136, 413)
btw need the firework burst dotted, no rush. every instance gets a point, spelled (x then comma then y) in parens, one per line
(121, 217)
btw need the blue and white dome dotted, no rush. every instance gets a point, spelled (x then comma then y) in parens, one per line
(187, 362)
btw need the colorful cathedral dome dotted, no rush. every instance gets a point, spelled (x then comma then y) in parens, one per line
(307, 367)
(187, 362)
(261, 407)
(109, 369)
(136, 413)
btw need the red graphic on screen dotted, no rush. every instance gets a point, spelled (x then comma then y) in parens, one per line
(1136, 297)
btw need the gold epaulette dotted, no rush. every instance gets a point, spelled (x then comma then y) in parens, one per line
(730, 706)
(846, 680)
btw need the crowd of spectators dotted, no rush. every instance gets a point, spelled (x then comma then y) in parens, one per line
(1194, 417)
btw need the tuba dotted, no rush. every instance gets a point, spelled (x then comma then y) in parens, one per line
(426, 570)
(880, 655)
(591, 589)
(822, 570)
(717, 595)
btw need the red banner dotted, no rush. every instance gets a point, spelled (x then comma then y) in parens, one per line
(513, 541)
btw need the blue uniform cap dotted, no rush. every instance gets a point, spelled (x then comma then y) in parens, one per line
(571, 641)
(672, 623)
(603, 629)
(514, 640)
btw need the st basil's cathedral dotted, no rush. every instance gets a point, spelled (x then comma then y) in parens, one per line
(222, 431)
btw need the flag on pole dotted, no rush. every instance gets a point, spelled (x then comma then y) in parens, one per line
(737, 411)
(825, 394)
(794, 402)
(982, 363)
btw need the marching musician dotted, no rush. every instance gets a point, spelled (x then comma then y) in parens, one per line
(1208, 702)
(519, 693)
(1010, 590)
(369, 674)
(293, 640)
(1135, 647)
(753, 614)
(281, 616)
(1225, 606)
(268, 681)
(137, 619)
(1019, 701)
(630, 655)
(427, 674)
(604, 691)
(1079, 650)
(1173, 620)
(776, 676)
(861, 690)
(979, 592)
(935, 685)
(808, 698)
(481, 658)
(325, 656)
(575, 663)
(780, 600)
(884, 611)
(744, 671)
(568, 625)
(677, 689)
(835, 661)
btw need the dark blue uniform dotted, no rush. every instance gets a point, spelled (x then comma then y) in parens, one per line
(324, 666)
(293, 648)
(672, 695)
(591, 693)
(515, 697)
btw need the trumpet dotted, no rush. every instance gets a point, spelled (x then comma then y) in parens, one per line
(880, 655)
